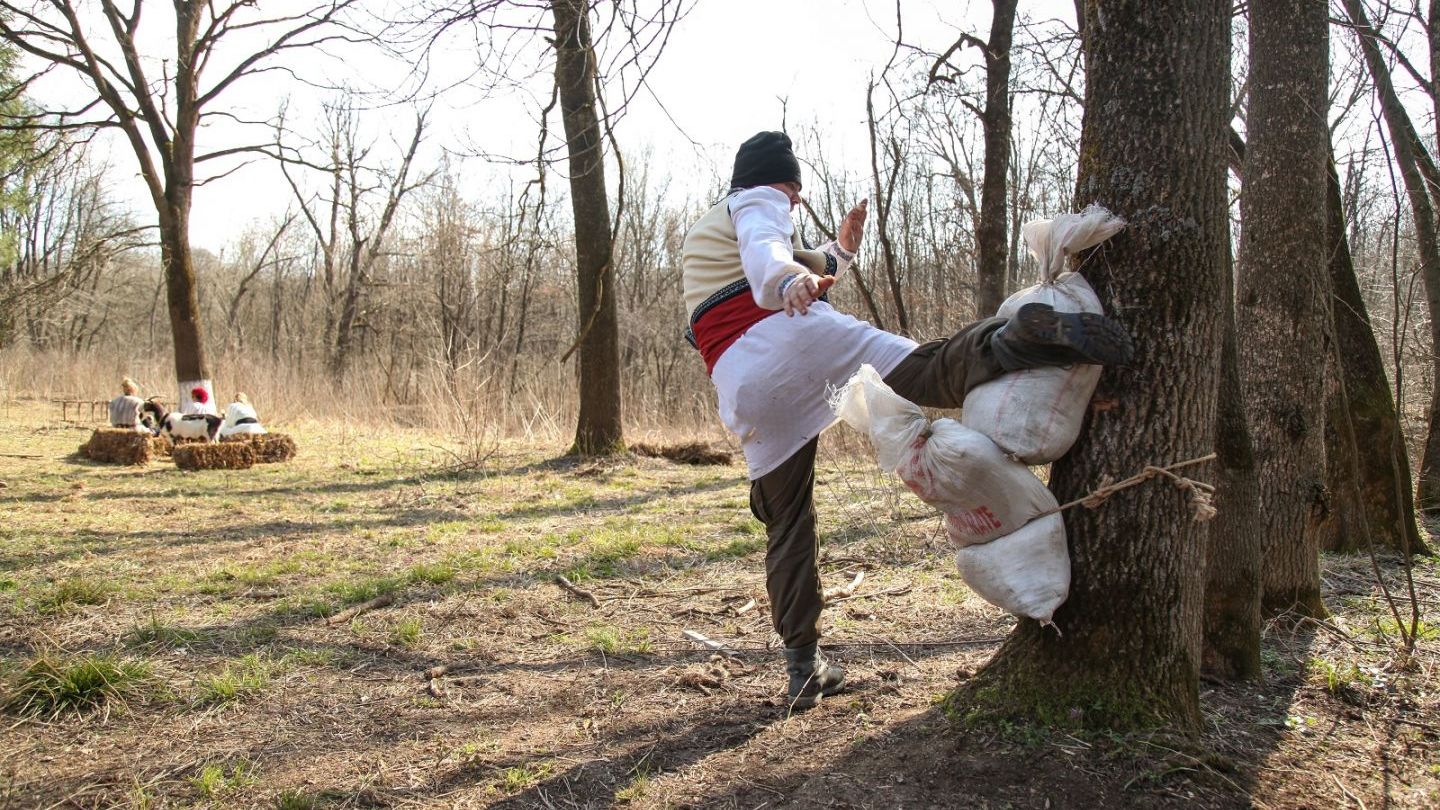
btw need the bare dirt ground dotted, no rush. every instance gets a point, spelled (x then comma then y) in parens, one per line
(227, 602)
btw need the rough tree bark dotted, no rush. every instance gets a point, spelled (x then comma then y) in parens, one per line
(1152, 150)
(1415, 165)
(991, 238)
(1382, 471)
(1377, 463)
(1232, 572)
(1281, 313)
(599, 429)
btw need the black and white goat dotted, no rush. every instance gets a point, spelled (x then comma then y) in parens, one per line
(179, 426)
(152, 415)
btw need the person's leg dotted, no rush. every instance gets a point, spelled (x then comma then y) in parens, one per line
(939, 373)
(784, 500)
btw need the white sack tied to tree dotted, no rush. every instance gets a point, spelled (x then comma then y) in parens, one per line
(984, 496)
(1035, 415)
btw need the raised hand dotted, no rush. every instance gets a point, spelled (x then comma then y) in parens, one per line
(853, 227)
(805, 290)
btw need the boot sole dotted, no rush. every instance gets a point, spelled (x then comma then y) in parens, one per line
(1096, 338)
(811, 701)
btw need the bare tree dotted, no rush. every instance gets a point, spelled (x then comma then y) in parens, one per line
(351, 220)
(995, 119)
(159, 105)
(600, 430)
(1153, 151)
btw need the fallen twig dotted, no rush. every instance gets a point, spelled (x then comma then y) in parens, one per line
(745, 608)
(717, 646)
(887, 592)
(836, 594)
(576, 590)
(346, 615)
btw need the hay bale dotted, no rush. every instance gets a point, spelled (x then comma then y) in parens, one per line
(159, 447)
(220, 456)
(269, 448)
(117, 446)
(687, 453)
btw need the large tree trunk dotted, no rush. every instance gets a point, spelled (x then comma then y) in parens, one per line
(1232, 573)
(990, 236)
(1281, 314)
(191, 370)
(182, 300)
(1152, 150)
(599, 430)
(1409, 156)
(1382, 465)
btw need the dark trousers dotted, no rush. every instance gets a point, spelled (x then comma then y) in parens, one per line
(938, 374)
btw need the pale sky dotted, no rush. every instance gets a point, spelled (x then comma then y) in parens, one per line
(722, 77)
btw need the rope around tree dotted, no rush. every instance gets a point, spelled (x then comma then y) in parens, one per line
(1202, 495)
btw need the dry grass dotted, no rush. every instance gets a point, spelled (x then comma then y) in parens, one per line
(250, 697)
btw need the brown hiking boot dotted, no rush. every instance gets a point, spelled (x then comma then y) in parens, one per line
(1038, 335)
(811, 676)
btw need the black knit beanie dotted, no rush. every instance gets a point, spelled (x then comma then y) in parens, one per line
(764, 159)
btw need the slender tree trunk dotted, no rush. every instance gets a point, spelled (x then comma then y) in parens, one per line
(599, 429)
(1152, 150)
(990, 236)
(884, 195)
(1232, 573)
(1281, 315)
(1382, 472)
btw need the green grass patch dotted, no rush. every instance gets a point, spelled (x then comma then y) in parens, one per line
(1387, 627)
(308, 658)
(406, 633)
(296, 800)
(615, 641)
(431, 573)
(155, 633)
(67, 593)
(214, 781)
(738, 547)
(254, 575)
(522, 777)
(8, 584)
(1337, 678)
(238, 680)
(51, 685)
(634, 791)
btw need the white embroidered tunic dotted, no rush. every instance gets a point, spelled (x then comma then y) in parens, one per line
(773, 382)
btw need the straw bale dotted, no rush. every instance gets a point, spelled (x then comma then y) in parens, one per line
(117, 446)
(159, 447)
(219, 456)
(270, 448)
